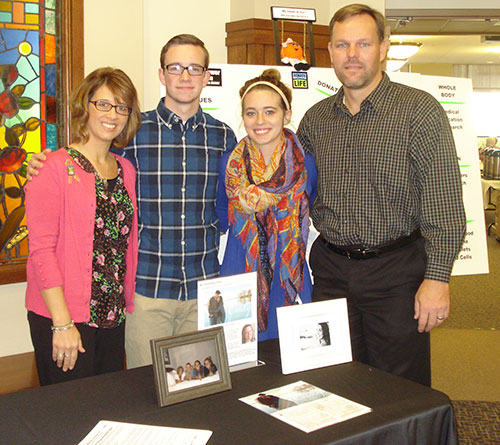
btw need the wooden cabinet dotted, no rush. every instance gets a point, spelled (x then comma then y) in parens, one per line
(251, 41)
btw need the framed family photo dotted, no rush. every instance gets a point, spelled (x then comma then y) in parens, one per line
(188, 366)
(314, 335)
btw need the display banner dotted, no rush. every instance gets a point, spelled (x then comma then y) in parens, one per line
(221, 99)
(455, 95)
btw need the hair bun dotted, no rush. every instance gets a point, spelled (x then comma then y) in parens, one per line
(271, 73)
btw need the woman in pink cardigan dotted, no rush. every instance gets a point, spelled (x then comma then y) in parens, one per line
(82, 220)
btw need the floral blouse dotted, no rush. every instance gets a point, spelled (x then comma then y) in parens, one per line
(113, 219)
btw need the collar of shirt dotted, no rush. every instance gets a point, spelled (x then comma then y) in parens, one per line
(169, 118)
(375, 100)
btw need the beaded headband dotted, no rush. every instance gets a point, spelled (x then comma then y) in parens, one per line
(270, 85)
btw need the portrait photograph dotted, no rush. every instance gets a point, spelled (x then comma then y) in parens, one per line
(248, 333)
(314, 335)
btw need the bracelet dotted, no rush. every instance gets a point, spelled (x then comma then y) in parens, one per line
(64, 327)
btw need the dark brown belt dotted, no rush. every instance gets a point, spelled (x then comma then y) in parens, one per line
(362, 253)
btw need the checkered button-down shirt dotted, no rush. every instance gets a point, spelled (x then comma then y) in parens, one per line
(177, 167)
(386, 171)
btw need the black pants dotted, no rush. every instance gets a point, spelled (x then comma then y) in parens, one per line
(380, 296)
(104, 351)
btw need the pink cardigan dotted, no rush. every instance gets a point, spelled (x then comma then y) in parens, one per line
(60, 214)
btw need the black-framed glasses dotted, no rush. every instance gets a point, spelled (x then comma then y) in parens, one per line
(177, 69)
(101, 105)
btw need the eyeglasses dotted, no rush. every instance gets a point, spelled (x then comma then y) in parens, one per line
(177, 69)
(100, 105)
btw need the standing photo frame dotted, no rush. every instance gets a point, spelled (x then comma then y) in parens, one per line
(314, 335)
(231, 302)
(188, 366)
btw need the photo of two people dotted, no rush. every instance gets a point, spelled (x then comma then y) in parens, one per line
(225, 305)
(216, 311)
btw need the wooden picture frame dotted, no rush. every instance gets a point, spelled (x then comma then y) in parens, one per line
(173, 386)
(70, 71)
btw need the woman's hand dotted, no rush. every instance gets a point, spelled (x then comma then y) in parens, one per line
(65, 348)
(66, 340)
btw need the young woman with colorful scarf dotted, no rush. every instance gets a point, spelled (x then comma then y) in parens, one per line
(266, 184)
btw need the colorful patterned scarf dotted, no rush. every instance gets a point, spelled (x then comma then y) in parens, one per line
(269, 210)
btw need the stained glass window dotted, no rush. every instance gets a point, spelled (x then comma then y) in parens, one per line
(27, 108)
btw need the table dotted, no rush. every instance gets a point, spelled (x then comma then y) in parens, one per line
(403, 412)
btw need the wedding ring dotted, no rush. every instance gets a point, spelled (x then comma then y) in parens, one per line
(66, 355)
(439, 318)
(61, 355)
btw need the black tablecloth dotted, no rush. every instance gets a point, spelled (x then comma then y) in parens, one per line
(403, 412)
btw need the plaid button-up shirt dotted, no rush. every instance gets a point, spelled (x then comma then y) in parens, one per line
(177, 169)
(386, 171)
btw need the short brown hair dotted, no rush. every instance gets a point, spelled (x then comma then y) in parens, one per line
(121, 86)
(273, 76)
(358, 9)
(185, 39)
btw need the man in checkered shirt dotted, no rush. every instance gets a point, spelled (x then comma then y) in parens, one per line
(389, 208)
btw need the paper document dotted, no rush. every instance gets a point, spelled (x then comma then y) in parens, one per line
(305, 406)
(119, 433)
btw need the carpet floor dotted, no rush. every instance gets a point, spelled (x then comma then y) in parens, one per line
(475, 299)
(465, 352)
(477, 422)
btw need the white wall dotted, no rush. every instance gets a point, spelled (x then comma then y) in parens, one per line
(324, 9)
(205, 20)
(114, 36)
(262, 9)
(129, 34)
(441, 4)
(14, 331)
(486, 122)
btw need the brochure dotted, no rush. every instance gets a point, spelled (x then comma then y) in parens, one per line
(305, 406)
(231, 302)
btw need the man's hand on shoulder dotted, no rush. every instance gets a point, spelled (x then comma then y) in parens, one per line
(432, 304)
(36, 163)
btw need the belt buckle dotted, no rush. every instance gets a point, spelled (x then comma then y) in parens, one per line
(357, 253)
(365, 253)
